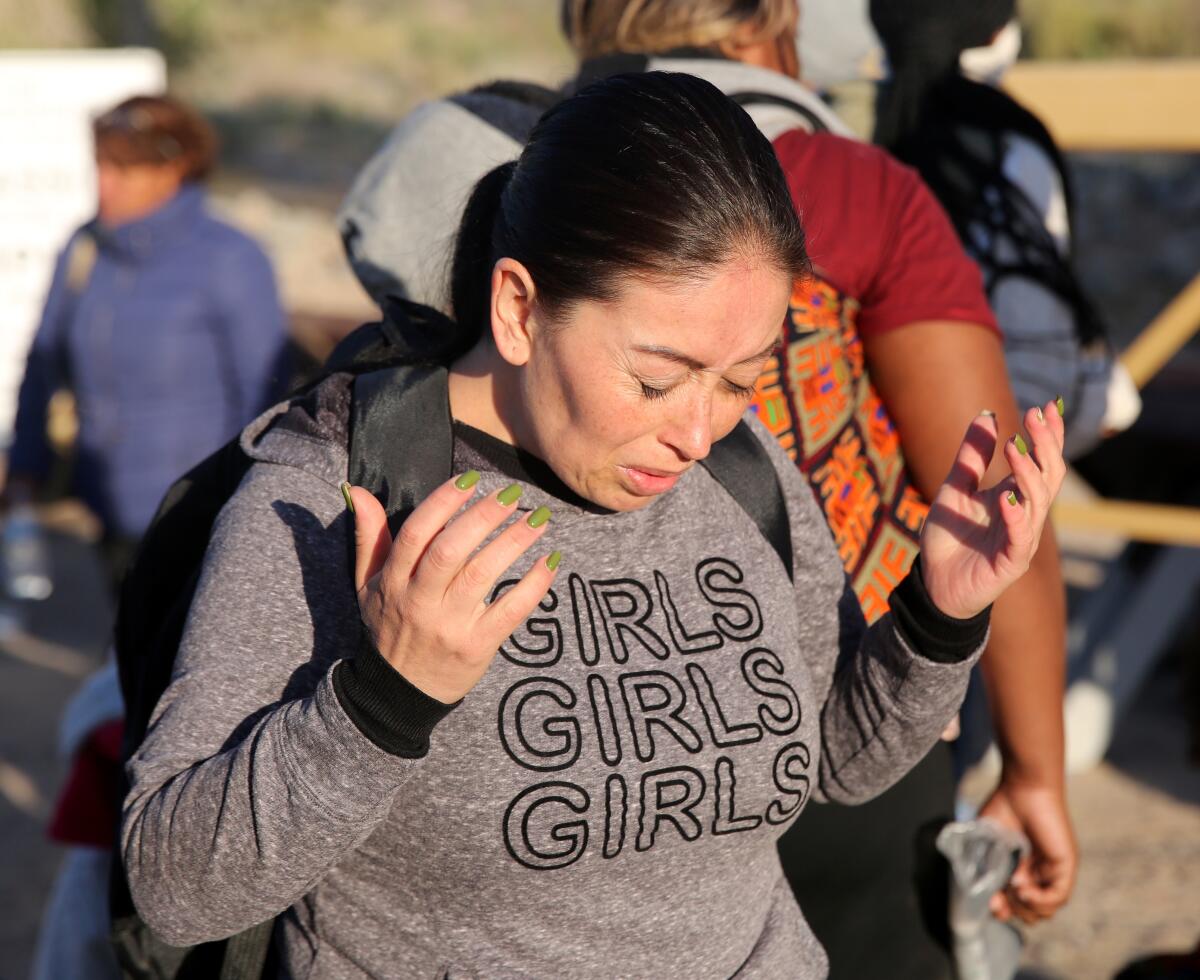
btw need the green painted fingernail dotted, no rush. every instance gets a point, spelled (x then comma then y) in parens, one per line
(1061, 406)
(553, 560)
(509, 494)
(539, 517)
(467, 480)
(1020, 444)
(989, 413)
(346, 496)
(1041, 417)
(1012, 498)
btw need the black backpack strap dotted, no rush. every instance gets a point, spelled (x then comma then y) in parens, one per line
(402, 449)
(749, 98)
(401, 439)
(526, 93)
(741, 465)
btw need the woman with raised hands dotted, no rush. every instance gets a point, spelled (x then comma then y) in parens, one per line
(555, 725)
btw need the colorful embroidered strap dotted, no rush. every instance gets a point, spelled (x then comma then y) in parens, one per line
(818, 402)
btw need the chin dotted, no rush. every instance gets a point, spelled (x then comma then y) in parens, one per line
(617, 497)
(610, 491)
(629, 501)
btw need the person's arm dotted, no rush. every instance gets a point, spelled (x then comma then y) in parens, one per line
(269, 756)
(306, 690)
(934, 376)
(895, 687)
(30, 456)
(897, 683)
(252, 328)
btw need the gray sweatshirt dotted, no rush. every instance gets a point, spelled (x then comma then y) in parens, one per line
(606, 801)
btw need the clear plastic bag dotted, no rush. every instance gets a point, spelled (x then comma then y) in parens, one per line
(982, 855)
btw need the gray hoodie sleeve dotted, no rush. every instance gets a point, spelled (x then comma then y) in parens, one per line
(224, 792)
(887, 690)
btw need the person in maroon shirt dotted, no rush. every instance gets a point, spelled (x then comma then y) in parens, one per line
(884, 258)
(887, 351)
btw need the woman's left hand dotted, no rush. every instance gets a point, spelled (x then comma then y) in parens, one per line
(976, 543)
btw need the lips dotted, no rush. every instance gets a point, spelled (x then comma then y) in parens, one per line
(650, 482)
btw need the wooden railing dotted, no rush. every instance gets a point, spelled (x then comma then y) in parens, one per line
(1114, 105)
(1142, 106)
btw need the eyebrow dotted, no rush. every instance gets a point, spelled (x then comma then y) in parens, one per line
(690, 362)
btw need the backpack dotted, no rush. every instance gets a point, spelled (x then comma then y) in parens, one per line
(399, 395)
(400, 217)
(961, 153)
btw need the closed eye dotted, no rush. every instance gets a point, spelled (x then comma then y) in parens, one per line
(653, 392)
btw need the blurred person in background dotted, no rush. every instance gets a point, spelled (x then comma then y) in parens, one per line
(888, 350)
(162, 321)
(165, 325)
(1007, 189)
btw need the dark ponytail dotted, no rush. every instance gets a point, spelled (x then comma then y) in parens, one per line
(923, 40)
(474, 255)
(655, 176)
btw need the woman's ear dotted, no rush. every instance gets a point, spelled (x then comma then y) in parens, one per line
(777, 53)
(513, 294)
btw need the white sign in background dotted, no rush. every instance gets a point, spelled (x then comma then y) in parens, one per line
(48, 176)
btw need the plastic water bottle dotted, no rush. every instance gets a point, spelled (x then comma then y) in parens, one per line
(26, 558)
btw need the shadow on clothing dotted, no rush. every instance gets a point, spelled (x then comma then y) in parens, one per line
(870, 881)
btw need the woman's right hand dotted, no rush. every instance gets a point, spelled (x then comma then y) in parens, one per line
(423, 596)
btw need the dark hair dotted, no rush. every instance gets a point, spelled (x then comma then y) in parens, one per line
(654, 175)
(923, 39)
(953, 131)
(157, 129)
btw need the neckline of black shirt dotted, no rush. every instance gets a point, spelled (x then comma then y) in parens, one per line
(517, 464)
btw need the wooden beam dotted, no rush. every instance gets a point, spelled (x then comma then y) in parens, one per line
(1155, 523)
(1131, 105)
(1165, 335)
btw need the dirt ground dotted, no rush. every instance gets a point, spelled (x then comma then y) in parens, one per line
(1137, 816)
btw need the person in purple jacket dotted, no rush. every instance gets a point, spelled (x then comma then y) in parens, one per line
(164, 322)
(166, 326)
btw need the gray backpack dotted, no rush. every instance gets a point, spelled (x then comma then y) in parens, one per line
(399, 219)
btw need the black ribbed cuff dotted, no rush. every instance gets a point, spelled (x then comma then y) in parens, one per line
(929, 631)
(384, 706)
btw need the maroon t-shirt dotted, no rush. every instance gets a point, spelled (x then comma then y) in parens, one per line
(885, 255)
(876, 233)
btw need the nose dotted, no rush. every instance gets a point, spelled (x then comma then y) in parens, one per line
(690, 430)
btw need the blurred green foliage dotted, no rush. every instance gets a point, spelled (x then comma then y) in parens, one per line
(380, 56)
(306, 88)
(1111, 28)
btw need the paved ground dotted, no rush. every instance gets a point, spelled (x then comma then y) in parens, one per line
(40, 667)
(1138, 820)
(1138, 814)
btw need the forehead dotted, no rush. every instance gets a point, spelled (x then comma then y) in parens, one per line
(718, 321)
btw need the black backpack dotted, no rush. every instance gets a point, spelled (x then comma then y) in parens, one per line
(399, 394)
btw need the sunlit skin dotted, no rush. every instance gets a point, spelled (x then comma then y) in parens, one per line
(621, 397)
(129, 191)
(779, 54)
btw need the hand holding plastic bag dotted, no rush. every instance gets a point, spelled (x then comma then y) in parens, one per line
(983, 855)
